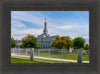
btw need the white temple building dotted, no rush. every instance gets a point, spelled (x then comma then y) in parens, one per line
(45, 40)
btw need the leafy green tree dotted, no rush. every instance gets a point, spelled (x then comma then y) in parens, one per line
(54, 42)
(86, 47)
(30, 41)
(78, 42)
(13, 42)
(62, 42)
(69, 43)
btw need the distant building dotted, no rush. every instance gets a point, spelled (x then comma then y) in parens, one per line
(45, 40)
(19, 43)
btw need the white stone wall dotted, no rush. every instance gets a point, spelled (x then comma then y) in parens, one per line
(45, 42)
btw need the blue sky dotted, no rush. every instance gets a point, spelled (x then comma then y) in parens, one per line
(63, 23)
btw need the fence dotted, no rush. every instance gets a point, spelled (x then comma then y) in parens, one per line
(46, 55)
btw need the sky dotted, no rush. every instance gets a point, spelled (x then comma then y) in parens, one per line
(63, 23)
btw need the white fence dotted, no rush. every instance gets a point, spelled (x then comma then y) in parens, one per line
(49, 55)
(20, 50)
(39, 54)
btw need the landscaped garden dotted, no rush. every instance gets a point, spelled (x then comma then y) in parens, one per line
(60, 52)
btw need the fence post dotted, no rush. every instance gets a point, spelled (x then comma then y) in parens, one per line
(32, 54)
(38, 54)
(26, 51)
(13, 50)
(79, 56)
(19, 51)
(49, 55)
(61, 55)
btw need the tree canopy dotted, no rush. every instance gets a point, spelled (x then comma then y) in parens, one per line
(29, 41)
(78, 42)
(62, 42)
(86, 47)
(13, 42)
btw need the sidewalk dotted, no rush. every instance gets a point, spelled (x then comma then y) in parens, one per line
(45, 58)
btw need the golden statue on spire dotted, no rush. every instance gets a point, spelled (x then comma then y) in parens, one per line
(45, 18)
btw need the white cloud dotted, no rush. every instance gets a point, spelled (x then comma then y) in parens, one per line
(17, 24)
(28, 17)
(19, 34)
(65, 27)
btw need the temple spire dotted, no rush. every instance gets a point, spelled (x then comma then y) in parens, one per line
(45, 18)
(45, 27)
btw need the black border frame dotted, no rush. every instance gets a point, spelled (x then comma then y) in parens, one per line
(75, 5)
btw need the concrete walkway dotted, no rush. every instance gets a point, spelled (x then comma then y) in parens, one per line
(45, 58)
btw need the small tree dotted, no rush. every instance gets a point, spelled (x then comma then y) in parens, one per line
(29, 41)
(62, 43)
(54, 42)
(86, 47)
(69, 43)
(78, 42)
(13, 42)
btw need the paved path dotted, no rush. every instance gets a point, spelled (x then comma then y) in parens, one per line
(45, 58)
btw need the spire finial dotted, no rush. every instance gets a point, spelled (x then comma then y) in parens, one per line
(45, 18)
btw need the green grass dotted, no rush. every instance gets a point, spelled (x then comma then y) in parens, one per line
(53, 61)
(70, 56)
(17, 60)
(86, 58)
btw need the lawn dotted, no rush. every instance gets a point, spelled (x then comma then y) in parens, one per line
(17, 60)
(70, 56)
(53, 61)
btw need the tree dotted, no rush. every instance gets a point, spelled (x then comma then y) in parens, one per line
(69, 43)
(78, 42)
(13, 42)
(86, 47)
(62, 42)
(54, 42)
(30, 41)
(38, 46)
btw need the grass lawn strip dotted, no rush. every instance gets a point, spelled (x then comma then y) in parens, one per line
(17, 60)
(46, 58)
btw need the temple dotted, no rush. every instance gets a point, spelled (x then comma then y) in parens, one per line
(45, 40)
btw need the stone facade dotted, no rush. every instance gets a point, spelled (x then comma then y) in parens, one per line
(45, 40)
